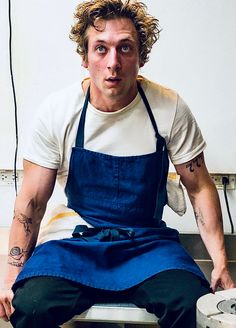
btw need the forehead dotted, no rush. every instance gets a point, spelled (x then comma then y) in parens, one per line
(112, 30)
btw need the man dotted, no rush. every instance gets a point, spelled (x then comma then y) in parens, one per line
(108, 140)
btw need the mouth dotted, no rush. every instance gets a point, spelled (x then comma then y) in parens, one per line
(113, 82)
(113, 79)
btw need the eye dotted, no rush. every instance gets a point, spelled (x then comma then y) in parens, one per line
(101, 49)
(125, 48)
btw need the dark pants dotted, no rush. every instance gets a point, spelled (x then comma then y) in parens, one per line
(47, 302)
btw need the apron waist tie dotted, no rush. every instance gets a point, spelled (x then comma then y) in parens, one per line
(102, 234)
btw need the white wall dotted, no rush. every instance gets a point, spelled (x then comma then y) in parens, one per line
(195, 55)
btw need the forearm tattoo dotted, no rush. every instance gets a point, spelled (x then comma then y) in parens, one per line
(16, 256)
(196, 162)
(16, 264)
(25, 221)
(199, 217)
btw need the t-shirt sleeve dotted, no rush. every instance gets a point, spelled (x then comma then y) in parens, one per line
(186, 141)
(42, 146)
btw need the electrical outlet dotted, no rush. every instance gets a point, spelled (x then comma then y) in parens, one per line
(7, 177)
(218, 177)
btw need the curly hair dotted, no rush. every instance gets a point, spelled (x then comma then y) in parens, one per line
(88, 12)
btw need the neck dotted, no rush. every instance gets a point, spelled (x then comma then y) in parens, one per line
(109, 103)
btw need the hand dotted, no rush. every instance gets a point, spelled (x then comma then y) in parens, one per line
(221, 278)
(6, 309)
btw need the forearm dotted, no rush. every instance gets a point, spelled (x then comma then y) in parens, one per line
(205, 201)
(23, 236)
(208, 216)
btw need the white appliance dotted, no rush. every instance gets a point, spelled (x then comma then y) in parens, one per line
(217, 310)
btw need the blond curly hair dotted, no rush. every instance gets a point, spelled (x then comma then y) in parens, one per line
(88, 12)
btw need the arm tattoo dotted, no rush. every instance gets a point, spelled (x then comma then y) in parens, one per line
(196, 162)
(16, 254)
(25, 221)
(199, 217)
(16, 264)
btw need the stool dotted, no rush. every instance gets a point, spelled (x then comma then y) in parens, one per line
(217, 310)
(121, 314)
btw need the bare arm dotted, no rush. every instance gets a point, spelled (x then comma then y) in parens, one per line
(205, 201)
(30, 205)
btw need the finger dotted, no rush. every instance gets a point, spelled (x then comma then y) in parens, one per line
(12, 309)
(3, 314)
(214, 285)
(7, 305)
(8, 309)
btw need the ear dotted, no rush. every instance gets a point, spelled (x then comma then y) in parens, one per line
(141, 64)
(85, 63)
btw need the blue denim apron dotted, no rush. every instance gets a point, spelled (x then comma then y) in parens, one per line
(123, 198)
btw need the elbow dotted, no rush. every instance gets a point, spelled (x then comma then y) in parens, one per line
(31, 208)
(38, 208)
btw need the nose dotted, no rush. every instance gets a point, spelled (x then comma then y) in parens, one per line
(113, 63)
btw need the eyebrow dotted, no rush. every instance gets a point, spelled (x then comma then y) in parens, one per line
(120, 41)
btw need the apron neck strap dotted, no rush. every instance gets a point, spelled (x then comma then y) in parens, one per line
(146, 103)
(160, 145)
(80, 133)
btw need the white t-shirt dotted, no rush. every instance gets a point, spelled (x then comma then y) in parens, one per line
(126, 132)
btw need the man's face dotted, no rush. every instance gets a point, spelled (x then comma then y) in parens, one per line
(113, 60)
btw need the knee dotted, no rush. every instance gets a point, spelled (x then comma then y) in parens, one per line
(176, 311)
(29, 302)
(31, 306)
(176, 308)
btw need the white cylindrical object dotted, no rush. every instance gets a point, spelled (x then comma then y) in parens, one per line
(217, 310)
